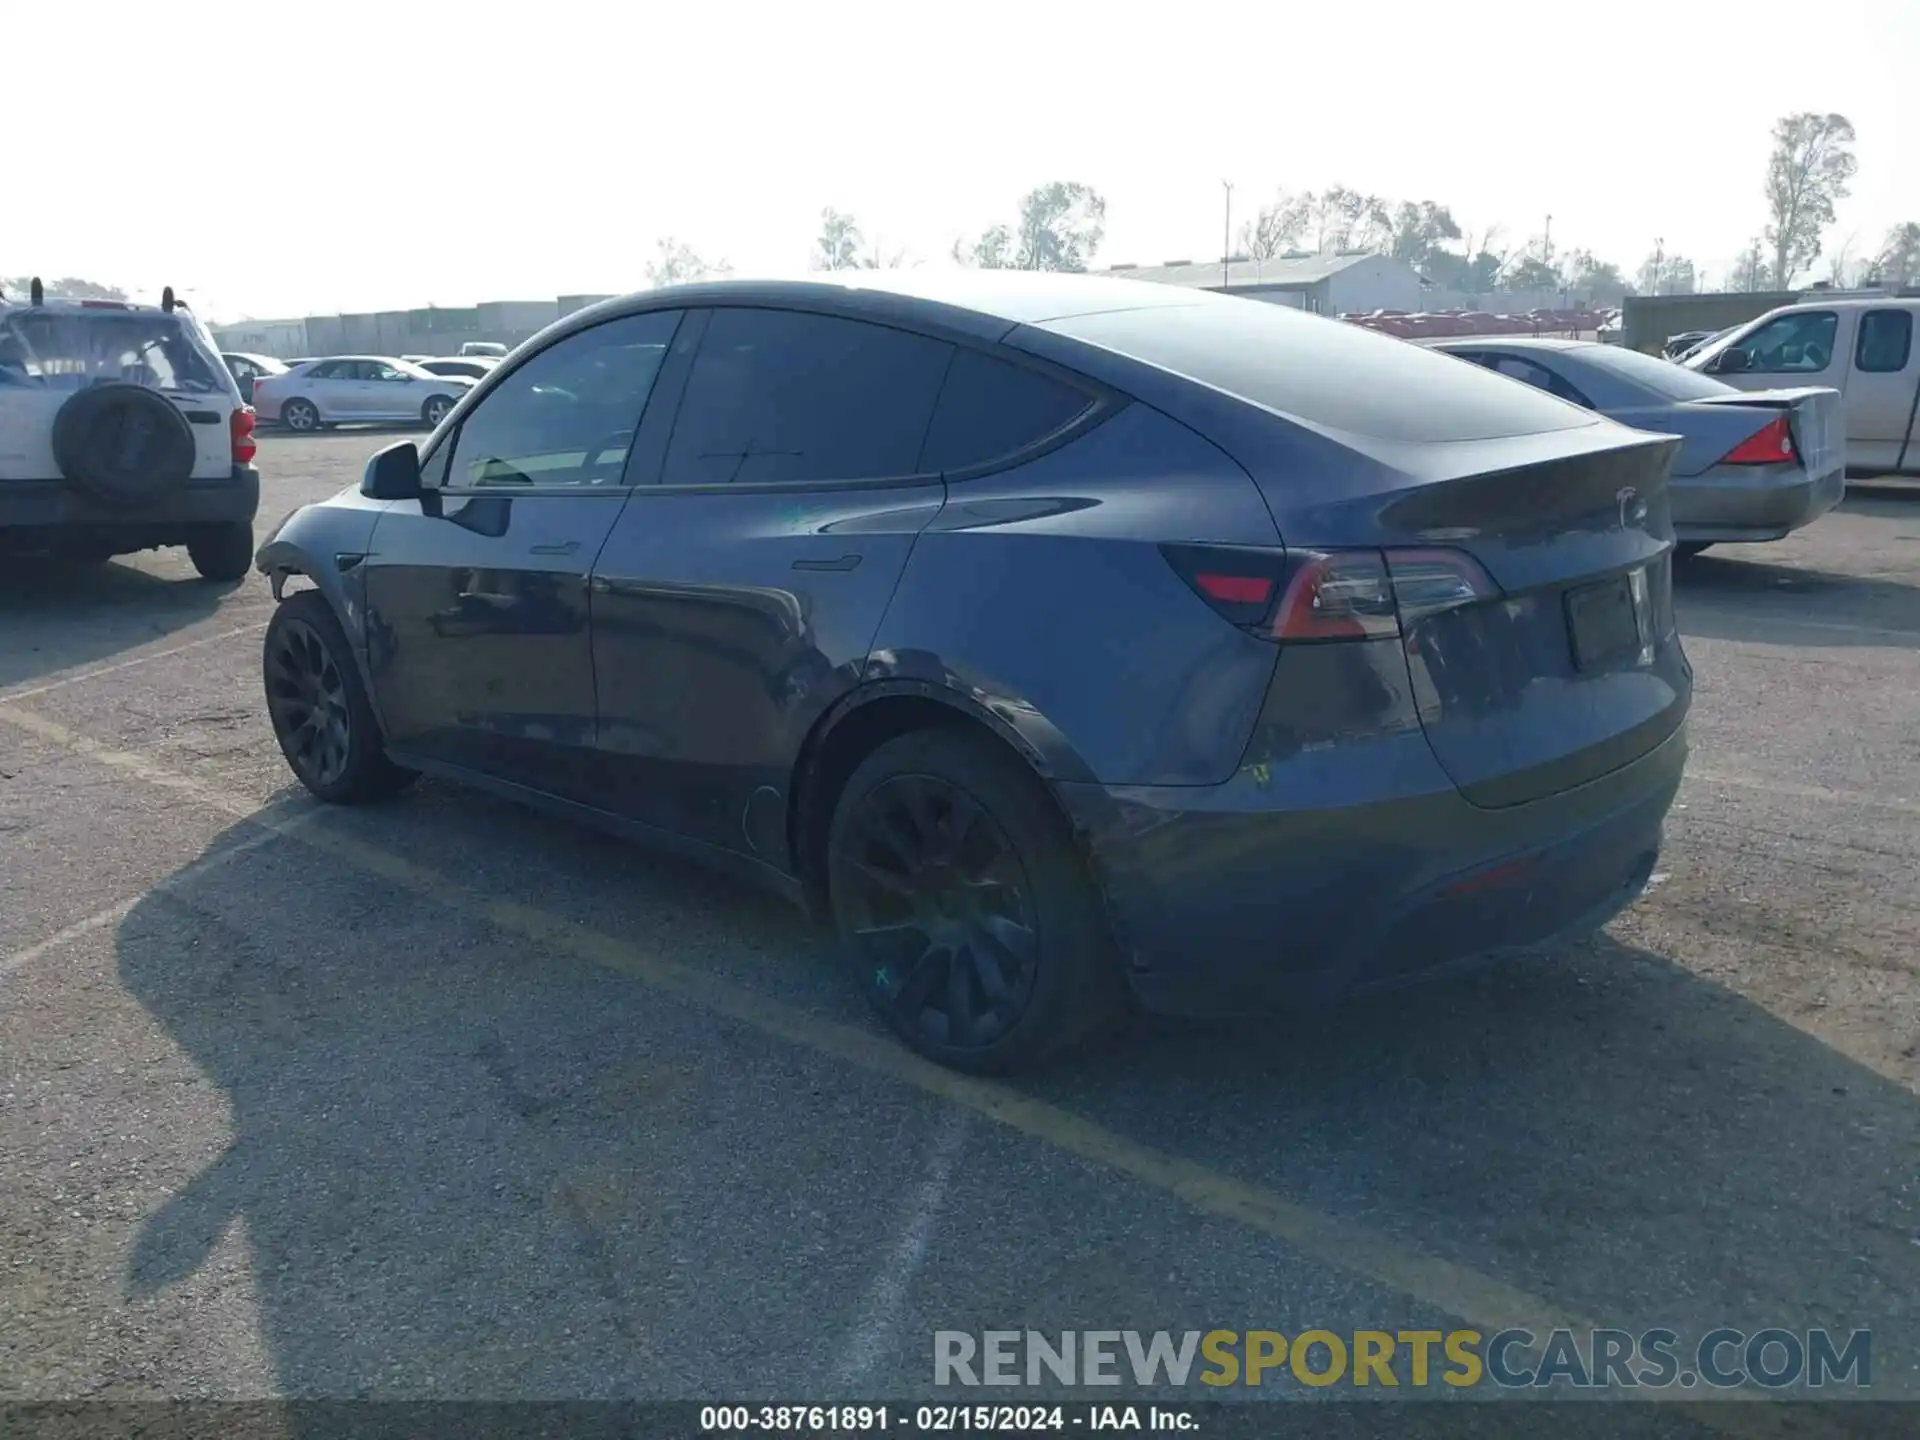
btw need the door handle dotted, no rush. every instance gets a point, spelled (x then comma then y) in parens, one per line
(845, 562)
(565, 549)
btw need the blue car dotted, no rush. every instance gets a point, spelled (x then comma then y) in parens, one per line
(1064, 642)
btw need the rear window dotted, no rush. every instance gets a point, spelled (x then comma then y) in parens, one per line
(1662, 377)
(1325, 372)
(66, 350)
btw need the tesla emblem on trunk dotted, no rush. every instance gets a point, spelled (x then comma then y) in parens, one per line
(1632, 508)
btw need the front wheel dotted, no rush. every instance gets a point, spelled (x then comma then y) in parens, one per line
(1687, 549)
(300, 416)
(221, 552)
(963, 907)
(319, 707)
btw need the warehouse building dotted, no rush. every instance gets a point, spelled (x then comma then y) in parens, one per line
(1324, 284)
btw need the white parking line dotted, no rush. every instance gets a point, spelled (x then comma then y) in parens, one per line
(886, 1300)
(97, 671)
(1899, 805)
(1727, 612)
(113, 914)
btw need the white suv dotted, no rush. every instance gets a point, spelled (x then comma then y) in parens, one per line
(121, 429)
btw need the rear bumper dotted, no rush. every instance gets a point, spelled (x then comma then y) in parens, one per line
(1226, 901)
(53, 504)
(1751, 502)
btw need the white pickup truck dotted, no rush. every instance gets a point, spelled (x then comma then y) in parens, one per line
(1863, 346)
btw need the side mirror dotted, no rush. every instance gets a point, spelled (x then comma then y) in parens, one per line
(1733, 359)
(393, 473)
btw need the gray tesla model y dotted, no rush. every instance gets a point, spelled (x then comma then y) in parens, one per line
(1064, 640)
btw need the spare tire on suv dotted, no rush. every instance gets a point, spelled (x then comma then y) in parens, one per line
(122, 444)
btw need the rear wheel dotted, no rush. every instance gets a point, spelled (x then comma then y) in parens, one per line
(1687, 549)
(301, 416)
(221, 552)
(963, 907)
(319, 708)
(435, 410)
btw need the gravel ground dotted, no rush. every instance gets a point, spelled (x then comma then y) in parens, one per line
(445, 1099)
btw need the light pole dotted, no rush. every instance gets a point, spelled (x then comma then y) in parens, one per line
(1659, 261)
(1226, 236)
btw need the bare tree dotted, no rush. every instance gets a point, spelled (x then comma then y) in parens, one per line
(1343, 219)
(838, 246)
(678, 264)
(1841, 270)
(1749, 272)
(1898, 263)
(1276, 228)
(1664, 274)
(1812, 166)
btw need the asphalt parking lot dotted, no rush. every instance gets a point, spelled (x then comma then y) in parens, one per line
(444, 1099)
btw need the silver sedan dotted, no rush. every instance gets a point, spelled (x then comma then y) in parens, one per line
(357, 389)
(1753, 464)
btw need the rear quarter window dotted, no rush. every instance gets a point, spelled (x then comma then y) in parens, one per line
(989, 409)
(1325, 372)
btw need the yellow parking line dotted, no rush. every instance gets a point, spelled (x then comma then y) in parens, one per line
(1441, 1284)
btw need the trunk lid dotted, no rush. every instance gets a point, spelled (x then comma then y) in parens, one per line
(1574, 670)
(1814, 414)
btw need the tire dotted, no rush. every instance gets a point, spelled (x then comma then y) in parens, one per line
(300, 416)
(1687, 549)
(435, 410)
(123, 445)
(221, 552)
(993, 884)
(307, 668)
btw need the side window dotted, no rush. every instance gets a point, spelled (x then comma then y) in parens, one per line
(786, 396)
(566, 416)
(1886, 341)
(374, 370)
(1537, 376)
(330, 370)
(989, 409)
(1793, 344)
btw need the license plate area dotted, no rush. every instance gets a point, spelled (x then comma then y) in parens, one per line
(1607, 622)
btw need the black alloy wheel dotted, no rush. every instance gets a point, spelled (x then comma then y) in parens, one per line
(962, 906)
(307, 695)
(319, 707)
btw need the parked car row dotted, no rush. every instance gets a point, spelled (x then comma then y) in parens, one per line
(357, 389)
(1438, 324)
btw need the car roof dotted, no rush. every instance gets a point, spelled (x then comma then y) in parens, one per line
(381, 359)
(987, 303)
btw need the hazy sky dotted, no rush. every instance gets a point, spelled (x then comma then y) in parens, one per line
(280, 159)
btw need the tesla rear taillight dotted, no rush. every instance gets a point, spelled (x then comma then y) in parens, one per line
(1427, 582)
(1320, 595)
(1337, 595)
(245, 447)
(1770, 445)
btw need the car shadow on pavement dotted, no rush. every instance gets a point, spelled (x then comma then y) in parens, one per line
(61, 616)
(420, 1109)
